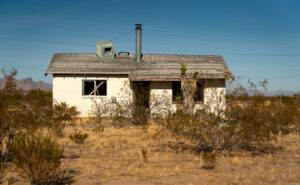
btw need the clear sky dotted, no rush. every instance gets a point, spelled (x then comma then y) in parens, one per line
(257, 38)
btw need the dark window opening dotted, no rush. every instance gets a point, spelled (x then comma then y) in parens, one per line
(94, 87)
(176, 92)
(177, 96)
(88, 87)
(107, 51)
(199, 94)
(141, 93)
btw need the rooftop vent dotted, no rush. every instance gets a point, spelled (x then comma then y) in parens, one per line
(123, 54)
(105, 49)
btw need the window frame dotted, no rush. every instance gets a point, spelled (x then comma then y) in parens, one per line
(95, 85)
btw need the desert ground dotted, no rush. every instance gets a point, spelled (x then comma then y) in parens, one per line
(133, 155)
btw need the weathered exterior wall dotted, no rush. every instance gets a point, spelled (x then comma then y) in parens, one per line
(69, 90)
(161, 90)
(214, 94)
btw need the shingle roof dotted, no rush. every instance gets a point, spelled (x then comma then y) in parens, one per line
(154, 66)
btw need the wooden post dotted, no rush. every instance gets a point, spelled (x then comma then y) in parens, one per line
(96, 88)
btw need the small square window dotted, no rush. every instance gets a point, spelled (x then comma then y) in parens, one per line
(94, 88)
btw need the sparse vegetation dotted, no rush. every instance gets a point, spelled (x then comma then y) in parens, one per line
(78, 137)
(22, 116)
(144, 152)
(209, 160)
(61, 113)
(37, 156)
(131, 107)
(116, 156)
(254, 135)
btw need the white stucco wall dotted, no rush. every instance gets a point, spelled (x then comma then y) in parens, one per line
(214, 94)
(161, 92)
(69, 90)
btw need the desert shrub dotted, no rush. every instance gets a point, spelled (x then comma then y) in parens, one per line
(240, 124)
(133, 105)
(37, 156)
(207, 135)
(144, 152)
(61, 113)
(250, 122)
(78, 137)
(260, 115)
(30, 111)
(39, 98)
(2, 168)
(284, 116)
(100, 111)
(10, 98)
(209, 160)
(118, 113)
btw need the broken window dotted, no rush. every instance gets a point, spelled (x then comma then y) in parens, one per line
(94, 88)
(176, 92)
(199, 94)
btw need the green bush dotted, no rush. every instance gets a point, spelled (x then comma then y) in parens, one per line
(78, 137)
(37, 156)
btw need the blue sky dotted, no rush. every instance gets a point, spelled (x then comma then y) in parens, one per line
(257, 38)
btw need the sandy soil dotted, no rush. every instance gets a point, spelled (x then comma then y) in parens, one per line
(115, 156)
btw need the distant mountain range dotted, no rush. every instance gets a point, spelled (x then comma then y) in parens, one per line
(281, 92)
(28, 84)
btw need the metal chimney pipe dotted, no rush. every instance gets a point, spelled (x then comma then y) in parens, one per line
(138, 46)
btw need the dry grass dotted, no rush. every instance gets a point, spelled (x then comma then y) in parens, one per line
(116, 157)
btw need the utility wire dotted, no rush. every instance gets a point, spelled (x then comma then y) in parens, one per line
(278, 77)
(56, 30)
(122, 35)
(86, 45)
(81, 23)
(58, 21)
(46, 41)
(153, 50)
(154, 42)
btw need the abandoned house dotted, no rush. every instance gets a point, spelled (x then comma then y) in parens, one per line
(79, 79)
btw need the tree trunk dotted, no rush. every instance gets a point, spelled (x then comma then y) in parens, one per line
(188, 87)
